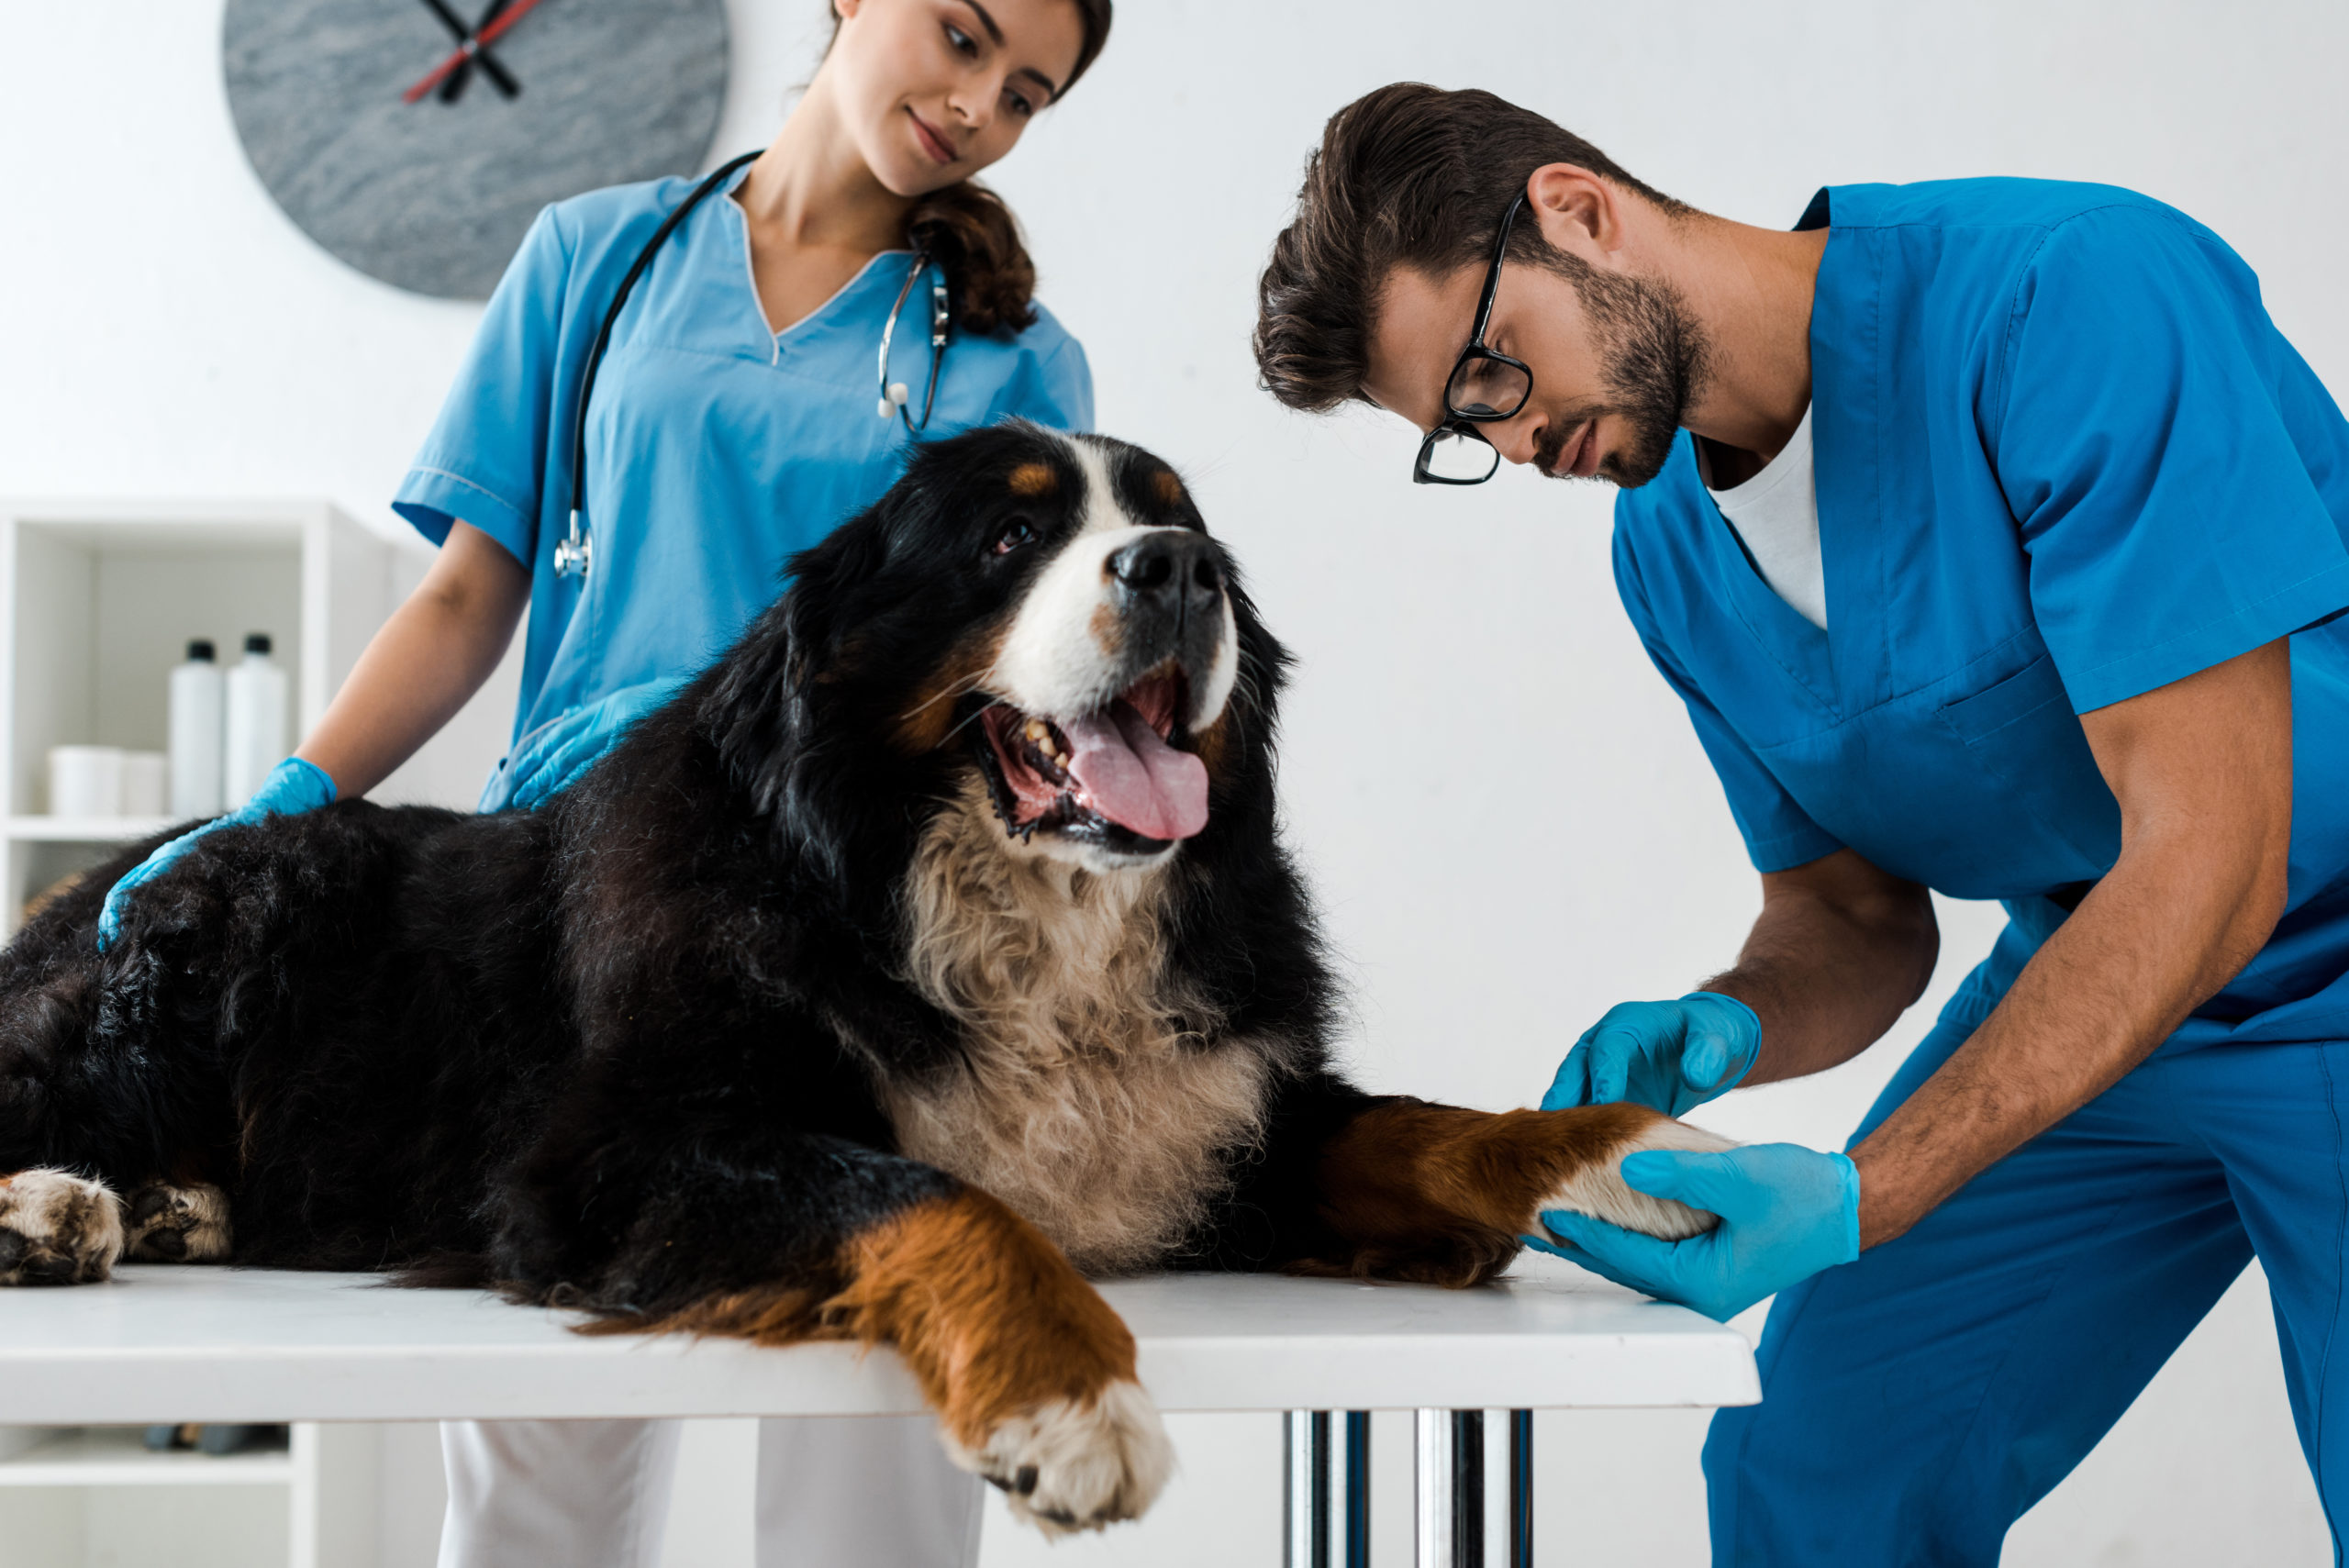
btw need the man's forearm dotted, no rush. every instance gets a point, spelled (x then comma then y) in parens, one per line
(2202, 769)
(1839, 951)
(2157, 937)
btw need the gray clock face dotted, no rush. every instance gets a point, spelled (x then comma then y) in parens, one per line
(434, 196)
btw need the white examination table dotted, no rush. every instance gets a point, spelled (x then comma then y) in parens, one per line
(187, 1344)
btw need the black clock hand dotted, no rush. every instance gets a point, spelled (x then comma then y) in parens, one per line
(489, 35)
(473, 52)
(455, 84)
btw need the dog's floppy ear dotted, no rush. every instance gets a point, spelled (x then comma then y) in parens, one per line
(773, 713)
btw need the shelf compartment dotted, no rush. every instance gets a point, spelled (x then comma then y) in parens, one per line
(114, 1456)
(102, 598)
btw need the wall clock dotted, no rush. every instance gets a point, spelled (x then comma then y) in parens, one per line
(416, 139)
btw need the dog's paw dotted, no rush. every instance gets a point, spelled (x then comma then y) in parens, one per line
(178, 1224)
(1599, 1189)
(57, 1229)
(1067, 1467)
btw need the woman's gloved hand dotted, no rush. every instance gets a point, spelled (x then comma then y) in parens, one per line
(607, 721)
(1671, 1055)
(293, 787)
(554, 756)
(1786, 1212)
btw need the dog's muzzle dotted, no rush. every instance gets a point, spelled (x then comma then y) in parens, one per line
(1168, 590)
(1123, 650)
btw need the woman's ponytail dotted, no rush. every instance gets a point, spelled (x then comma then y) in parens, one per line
(971, 234)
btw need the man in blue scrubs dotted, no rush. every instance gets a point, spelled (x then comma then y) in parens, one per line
(1994, 538)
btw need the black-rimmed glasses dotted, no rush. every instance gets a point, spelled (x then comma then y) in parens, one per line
(1483, 386)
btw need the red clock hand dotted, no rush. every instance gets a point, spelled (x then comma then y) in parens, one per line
(488, 35)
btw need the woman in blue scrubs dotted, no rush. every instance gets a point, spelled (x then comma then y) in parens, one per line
(1995, 540)
(734, 421)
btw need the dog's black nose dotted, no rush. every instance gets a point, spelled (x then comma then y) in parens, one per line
(1169, 567)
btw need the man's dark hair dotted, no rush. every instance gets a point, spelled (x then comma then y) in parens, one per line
(1409, 175)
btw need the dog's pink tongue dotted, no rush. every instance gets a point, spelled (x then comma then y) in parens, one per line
(1135, 779)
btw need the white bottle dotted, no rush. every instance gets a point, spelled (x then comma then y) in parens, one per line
(197, 717)
(256, 728)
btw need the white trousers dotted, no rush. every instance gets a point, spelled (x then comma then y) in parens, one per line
(838, 1492)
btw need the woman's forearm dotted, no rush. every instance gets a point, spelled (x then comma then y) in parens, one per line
(421, 667)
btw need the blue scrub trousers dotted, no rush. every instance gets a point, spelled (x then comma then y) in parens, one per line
(1916, 1402)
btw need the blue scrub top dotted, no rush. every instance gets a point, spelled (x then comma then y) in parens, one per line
(715, 448)
(2063, 458)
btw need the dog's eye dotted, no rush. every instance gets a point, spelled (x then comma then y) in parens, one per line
(1015, 533)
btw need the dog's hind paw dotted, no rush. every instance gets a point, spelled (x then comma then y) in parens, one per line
(179, 1225)
(1073, 1466)
(57, 1229)
(1599, 1188)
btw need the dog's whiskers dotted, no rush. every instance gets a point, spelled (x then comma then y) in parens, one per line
(991, 702)
(959, 689)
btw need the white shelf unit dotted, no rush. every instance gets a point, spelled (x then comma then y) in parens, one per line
(102, 598)
(79, 1497)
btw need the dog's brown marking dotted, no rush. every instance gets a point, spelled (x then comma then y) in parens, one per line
(1213, 744)
(1034, 479)
(929, 717)
(1108, 629)
(1169, 488)
(1030, 1372)
(1440, 1195)
(989, 1317)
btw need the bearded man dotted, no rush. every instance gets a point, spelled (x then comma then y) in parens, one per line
(1993, 536)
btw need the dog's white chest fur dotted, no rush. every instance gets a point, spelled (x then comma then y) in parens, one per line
(1089, 1104)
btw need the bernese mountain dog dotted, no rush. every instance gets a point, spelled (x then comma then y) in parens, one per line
(932, 948)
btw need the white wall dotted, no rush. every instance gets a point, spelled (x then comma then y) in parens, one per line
(1509, 821)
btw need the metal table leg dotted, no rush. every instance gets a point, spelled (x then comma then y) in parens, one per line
(1520, 1489)
(1306, 1494)
(1449, 1457)
(1358, 1489)
(1451, 1461)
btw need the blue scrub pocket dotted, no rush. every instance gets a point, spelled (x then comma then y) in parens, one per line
(2021, 731)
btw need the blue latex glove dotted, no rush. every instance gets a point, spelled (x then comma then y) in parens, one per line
(292, 787)
(1786, 1212)
(551, 757)
(1671, 1055)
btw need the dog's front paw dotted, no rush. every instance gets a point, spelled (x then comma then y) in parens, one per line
(1598, 1187)
(57, 1229)
(1071, 1465)
(179, 1225)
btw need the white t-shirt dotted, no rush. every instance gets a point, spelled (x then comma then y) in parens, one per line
(1776, 513)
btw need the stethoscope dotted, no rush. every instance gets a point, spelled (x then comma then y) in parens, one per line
(574, 551)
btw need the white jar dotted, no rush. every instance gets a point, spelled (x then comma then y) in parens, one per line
(85, 781)
(198, 715)
(255, 732)
(146, 783)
